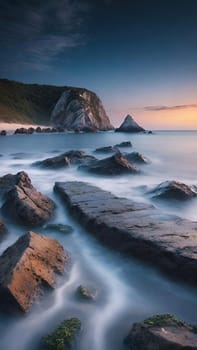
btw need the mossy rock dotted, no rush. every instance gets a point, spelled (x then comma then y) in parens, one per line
(86, 293)
(163, 320)
(63, 337)
(59, 227)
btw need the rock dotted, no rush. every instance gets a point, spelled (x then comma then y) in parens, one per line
(3, 230)
(86, 293)
(80, 110)
(124, 144)
(162, 332)
(63, 337)
(29, 268)
(38, 129)
(135, 229)
(24, 203)
(3, 133)
(129, 125)
(59, 227)
(107, 149)
(173, 190)
(136, 157)
(66, 159)
(115, 165)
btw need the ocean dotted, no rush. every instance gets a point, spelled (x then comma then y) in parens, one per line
(127, 289)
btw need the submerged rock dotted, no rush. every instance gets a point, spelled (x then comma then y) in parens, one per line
(162, 332)
(80, 110)
(66, 159)
(173, 190)
(63, 337)
(135, 229)
(107, 149)
(29, 268)
(136, 157)
(115, 165)
(129, 125)
(124, 144)
(59, 227)
(24, 203)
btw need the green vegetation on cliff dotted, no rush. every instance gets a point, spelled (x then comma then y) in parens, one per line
(28, 103)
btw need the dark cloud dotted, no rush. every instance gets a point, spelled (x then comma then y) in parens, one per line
(169, 108)
(40, 31)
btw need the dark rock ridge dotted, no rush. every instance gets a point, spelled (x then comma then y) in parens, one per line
(162, 332)
(173, 190)
(135, 229)
(115, 165)
(23, 202)
(129, 125)
(136, 157)
(3, 230)
(80, 110)
(29, 268)
(66, 159)
(106, 149)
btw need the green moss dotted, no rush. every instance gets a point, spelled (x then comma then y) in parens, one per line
(59, 227)
(63, 336)
(162, 320)
(85, 293)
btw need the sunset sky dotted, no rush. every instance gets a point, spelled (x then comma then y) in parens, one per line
(139, 56)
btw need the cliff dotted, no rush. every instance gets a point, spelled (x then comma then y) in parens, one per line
(40, 104)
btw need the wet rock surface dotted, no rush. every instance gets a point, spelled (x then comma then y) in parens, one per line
(173, 190)
(23, 202)
(29, 268)
(3, 230)
(124, 144)
(162, 332)
(115, 165)
(106, 149)
(136, 157)
(66, 159)
(135, 229)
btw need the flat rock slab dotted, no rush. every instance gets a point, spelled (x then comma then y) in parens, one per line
(28, 268)
(135, 229)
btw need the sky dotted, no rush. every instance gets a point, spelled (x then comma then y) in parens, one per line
(139, 56)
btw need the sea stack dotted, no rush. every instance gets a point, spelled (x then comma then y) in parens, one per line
(129, 125)
(80, 110)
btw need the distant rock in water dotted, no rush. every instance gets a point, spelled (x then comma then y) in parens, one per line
(80, 110)
(124, 144)
(29, 268)
(66, 159)
(129, 125)
(162, 332)
(115, 165)
(173, 190)
(106, 149)
(23, 202)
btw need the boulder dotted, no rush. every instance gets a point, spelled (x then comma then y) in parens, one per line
(63, 337)
(162, 332)
(115, 165)
(124, 144)
(136, 157)
(29, 268)
(59, 228)
(66, 159)
(107, 149)
(3, 133)
(24, 203)
(129, 125)
(3, 230)
(80, 110)
(86, 293)
(173, 190)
